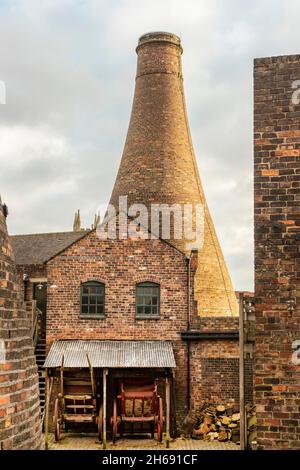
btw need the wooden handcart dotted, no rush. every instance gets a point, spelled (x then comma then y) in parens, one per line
(137, 402)
(77, 402)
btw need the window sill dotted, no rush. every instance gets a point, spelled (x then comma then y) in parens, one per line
(92, 317)
(147, 317)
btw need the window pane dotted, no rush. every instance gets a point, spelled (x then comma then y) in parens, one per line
(84, 309)
(147, 299)
(100, 308)
(92, 299)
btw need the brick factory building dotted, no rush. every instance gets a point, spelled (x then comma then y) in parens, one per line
(277, 256)
(147, 288)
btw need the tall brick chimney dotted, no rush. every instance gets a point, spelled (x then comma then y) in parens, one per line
(20, 421)
(158, 163)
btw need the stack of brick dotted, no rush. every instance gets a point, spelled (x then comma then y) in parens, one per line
(20, 420)
(277, 250)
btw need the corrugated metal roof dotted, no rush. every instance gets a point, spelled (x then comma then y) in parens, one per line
(111, 354)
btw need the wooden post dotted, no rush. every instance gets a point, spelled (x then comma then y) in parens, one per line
(92, 376)
(173, 423)
(242, 375)
(105, 372)
(168, 405)
(61, 396)
(47, 410)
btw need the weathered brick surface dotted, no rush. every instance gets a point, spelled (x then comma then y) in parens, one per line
(33, 271)
(215, 323)
(277, 257)
(20, 423)
(159, 166)
(214, 372)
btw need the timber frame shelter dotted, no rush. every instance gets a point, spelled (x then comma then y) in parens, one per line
(113, 360)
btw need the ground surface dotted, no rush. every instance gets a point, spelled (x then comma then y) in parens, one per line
(89, 442)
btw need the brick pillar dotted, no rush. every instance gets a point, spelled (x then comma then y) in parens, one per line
(277, 252)
(20, 422)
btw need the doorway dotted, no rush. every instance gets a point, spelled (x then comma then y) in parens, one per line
(40, 295)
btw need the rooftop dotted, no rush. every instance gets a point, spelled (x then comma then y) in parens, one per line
(37, 248)
(111, 354)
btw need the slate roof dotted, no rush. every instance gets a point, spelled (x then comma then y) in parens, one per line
(37, 248)
(111, 354)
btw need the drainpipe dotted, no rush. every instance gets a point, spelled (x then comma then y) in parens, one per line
(188, 328)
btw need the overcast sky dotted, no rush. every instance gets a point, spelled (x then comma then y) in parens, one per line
(69, 68)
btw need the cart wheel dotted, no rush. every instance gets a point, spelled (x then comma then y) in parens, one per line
(114, 421)
(100, 423)
(160, 420)
(56, 420)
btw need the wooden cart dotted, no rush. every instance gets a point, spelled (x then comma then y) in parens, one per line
(138, 402)
(77, 401)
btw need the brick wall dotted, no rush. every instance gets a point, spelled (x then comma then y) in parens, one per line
(215, 323)
(214, 362)
(34, 271)
(277, 257)
(214, 369)
(20, 423)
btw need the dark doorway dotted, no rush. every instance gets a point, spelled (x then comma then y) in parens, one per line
(40, 295)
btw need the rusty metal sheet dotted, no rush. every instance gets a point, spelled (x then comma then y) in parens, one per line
(111, 354)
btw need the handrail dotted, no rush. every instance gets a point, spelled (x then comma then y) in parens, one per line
(36, 315)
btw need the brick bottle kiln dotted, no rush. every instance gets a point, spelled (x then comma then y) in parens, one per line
(158, 165)
(20, 417)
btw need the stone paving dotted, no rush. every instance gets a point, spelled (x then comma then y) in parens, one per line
(89, 442)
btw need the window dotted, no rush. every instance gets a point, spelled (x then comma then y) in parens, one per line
(92, 299)
(147, 299)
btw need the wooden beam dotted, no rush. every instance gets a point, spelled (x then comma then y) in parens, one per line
(242, 374)
(168, 406)
(92, 376)
(47, 410)
(62, 400)
(105, 372)
(173, 424)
